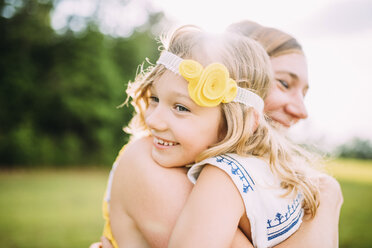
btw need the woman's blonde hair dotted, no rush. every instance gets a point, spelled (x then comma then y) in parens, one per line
(249, 65)
(274, 41)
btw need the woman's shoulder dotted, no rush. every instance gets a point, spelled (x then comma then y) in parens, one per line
(136, 149)
(133, 156)
(137, 159)
(330, 188)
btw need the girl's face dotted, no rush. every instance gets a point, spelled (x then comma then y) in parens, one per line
(181, 129)
(285, 101)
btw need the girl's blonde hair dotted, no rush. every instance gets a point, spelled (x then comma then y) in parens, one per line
(249, 65)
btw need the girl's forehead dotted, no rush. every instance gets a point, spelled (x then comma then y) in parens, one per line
(169, 81)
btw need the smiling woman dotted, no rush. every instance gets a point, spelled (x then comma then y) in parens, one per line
(285, 101)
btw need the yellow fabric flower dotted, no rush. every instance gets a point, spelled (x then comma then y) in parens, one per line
(208, 87)
(191, 70)
(231, 92)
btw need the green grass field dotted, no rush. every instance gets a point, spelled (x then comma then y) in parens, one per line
(355, 177)
(51, 208)
(62, 208)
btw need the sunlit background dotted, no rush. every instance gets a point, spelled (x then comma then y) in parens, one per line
(64, 67)
(336, 36)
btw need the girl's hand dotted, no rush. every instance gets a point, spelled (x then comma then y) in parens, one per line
(105, 243)
(96, 245)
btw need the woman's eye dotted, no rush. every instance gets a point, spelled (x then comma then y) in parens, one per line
(284, 83)
(181, 108)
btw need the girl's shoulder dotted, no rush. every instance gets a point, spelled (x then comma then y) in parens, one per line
(275, 217)
(233, 165)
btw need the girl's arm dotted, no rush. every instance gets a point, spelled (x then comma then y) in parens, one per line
(212, 212)
(162, 193)
(240, 240)
(158, 196)
(321, 231)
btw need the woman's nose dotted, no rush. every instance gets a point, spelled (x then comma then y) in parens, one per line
(156, 119)
(297, 107)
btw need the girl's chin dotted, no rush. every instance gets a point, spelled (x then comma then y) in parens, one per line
(164, 160)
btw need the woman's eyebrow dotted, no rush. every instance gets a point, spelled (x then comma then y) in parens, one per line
(291, 74)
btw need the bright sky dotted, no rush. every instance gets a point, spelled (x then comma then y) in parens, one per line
(336, 36)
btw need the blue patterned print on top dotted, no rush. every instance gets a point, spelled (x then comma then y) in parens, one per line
(281, 224)
(238, 170)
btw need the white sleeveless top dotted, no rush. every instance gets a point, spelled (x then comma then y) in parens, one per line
(273, 218)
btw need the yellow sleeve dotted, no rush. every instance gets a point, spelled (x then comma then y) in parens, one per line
(107, 228)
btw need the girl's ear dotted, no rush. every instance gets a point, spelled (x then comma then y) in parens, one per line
(222, 130)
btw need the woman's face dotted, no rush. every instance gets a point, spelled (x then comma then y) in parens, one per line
(285, 101)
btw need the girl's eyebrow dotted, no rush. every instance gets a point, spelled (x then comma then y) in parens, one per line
(184, 97)
(175, 94)
(152, 89)
(180, 94)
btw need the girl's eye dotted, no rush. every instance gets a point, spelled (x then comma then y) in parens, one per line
(181, 108)
(154, 99)
(284, 83)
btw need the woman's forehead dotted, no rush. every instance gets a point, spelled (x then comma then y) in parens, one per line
(293, 64)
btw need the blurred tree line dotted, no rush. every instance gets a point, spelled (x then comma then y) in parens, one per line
(355, 148)
(59, 92)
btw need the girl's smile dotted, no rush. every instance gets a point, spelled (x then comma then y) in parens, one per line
(180, 128)
(164, 144)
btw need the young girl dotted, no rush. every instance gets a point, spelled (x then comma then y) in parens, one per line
(192, 109)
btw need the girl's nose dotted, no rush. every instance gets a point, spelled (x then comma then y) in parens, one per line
(156, 119)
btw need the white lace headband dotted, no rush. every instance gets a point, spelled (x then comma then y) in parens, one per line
(201, 92)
